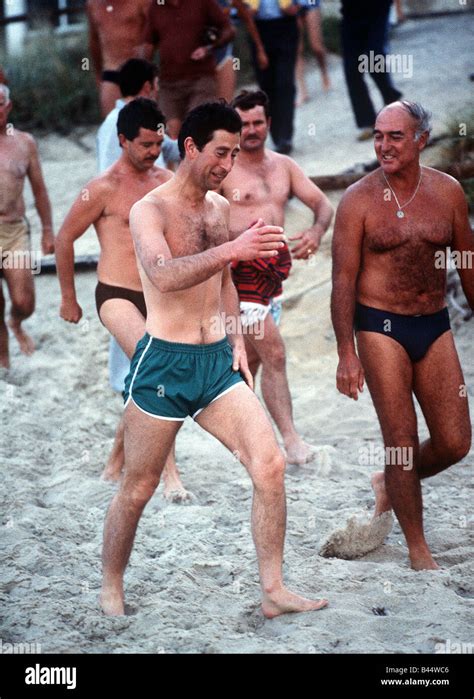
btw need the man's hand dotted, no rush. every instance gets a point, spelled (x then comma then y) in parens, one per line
(258, 241)
(70, 311)
(240, 361)
(350, 375)
(308, 244)
(200, 53)
(47, 242)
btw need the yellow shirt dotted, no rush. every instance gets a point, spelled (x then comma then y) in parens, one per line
(255, 4)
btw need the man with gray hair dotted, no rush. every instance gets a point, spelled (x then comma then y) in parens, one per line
(18, 159)
(389, 291)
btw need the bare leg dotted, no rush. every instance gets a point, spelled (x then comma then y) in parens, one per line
(303, 95)
(114, 466)
(225, 75)
(147, 441)
(445, 407)
(315, 36)
(253, 359)
(123, 320)
(173, 488)
(238, 420)
(275, 390)
(399, 10)
(109, 94)
(446, 411)
(22, 296)
(391, 384)
(4, 356)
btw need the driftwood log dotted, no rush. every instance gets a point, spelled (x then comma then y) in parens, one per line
(460, 171)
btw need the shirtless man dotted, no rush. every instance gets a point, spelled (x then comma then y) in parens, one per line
(183, 366)
(265, 181)
(116, 30)
(388, 288)
(18, 159)
(119, 296)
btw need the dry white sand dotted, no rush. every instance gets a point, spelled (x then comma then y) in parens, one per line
(192, 583)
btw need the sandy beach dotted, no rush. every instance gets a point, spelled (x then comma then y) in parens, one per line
(192, 584)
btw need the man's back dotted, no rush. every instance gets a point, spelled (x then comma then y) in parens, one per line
(179, 30)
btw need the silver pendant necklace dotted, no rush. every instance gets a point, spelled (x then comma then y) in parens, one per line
(400, 212)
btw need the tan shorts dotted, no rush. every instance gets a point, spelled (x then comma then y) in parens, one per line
(177, 98)
(14, 236)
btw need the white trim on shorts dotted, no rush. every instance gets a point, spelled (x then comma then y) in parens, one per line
(158, 417)
(219, 396)
(135, 373)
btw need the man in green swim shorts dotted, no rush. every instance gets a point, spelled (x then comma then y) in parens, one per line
(185, 364)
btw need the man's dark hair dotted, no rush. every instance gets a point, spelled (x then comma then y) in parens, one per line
(133, 74)
(202, 121)
(139, 113)
(248, 99)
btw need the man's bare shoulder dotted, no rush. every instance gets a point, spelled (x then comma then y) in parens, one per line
(163, 193)
(218, 201)
(161, 174)
(157, 200)
(103, 185)
(278, 161)
(447, 184)
(24, 140)
(362, 191)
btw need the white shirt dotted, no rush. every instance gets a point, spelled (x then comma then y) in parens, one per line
(108, 146)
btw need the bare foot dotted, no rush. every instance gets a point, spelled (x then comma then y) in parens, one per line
(4, 356)
(382, 501)
(112, 471)
(27, 346)
(114, 466)
(112, 602)
(326, 82)
(299, 452)
(283, 602)
(174, 491)
(301, 100)
(422, 560)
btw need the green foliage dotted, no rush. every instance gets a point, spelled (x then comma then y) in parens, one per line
(51, 91)
(49, 88)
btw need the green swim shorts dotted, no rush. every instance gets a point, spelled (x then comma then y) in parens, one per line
(171, 380)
